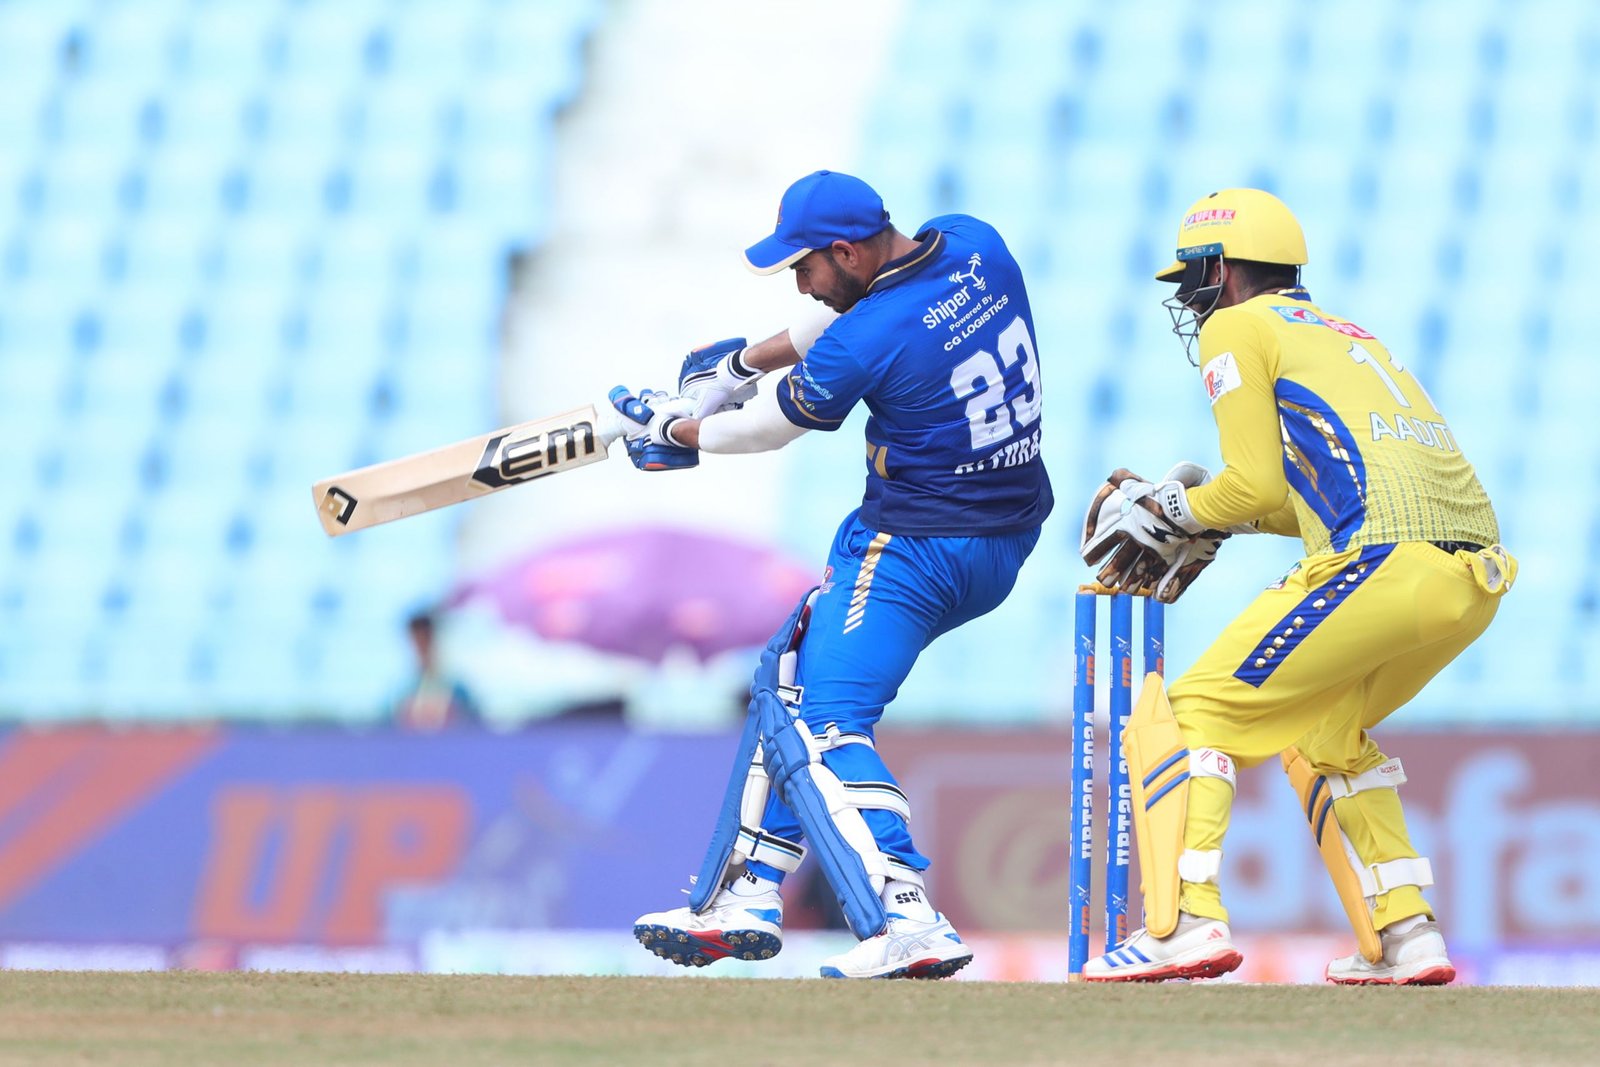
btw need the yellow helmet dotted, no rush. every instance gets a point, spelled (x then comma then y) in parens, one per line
(1238, 224)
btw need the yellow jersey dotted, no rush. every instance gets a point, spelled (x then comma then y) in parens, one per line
(1324, 433)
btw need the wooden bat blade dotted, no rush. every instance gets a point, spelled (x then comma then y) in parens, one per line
(465, 470)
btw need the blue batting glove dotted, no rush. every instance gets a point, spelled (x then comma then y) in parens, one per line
(716, 379)
(649, 448)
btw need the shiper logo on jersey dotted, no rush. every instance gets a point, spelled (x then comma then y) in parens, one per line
(971, 273)
(949, 309)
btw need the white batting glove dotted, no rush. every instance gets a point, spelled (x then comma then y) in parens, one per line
(716, 378)
(665, 410)
(609, 425)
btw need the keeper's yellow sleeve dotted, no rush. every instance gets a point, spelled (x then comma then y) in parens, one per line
(1238, 365)
(1284, 521)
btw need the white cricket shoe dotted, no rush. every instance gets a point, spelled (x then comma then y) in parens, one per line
(906, 949)
(1198, 948)
(744, 927)
(1416, 957)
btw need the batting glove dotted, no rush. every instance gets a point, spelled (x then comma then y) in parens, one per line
(716, 378)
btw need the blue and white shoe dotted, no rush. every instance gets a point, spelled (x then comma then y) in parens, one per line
(906, 949)
(1198, 948)
(744, 927)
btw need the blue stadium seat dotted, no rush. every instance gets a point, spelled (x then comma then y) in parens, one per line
(292, 181)
(392, 183)
(329, 43)
(66, 251)
(162, 255)
(435, 44)
(227, 44)
(130, 43)
(1437, 175)
(263, 252)
(213, 121)
(186, 183)
(31, 38)
(103, 114)
(404, 113)
(507, 188)
(255, 245)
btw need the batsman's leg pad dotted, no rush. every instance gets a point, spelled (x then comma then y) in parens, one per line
(829, 811)
(1357, 882)
(738, 836)
(1160, 767)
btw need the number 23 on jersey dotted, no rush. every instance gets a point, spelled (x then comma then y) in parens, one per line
(980, 380)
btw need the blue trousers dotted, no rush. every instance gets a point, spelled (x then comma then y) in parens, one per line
(883, 599)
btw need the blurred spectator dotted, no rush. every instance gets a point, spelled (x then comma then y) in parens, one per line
(433, 700)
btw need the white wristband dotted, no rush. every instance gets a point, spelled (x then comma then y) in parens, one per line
(738, 370)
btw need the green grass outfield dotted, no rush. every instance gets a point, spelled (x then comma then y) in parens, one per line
(240, 1019)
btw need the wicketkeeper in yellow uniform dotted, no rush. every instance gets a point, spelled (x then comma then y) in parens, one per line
(1327, 436)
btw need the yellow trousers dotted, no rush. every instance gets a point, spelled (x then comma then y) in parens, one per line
(1315, 662)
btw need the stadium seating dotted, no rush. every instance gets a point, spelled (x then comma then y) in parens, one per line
(244, 246)
(1440, 157)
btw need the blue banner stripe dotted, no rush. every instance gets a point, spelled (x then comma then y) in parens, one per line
(1295, 627)
(1182, 753)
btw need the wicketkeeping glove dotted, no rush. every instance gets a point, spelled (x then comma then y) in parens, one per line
(1122, 512)
(1143, 532)
(1193, 557)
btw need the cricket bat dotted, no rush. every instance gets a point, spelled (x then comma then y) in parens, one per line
(465, 470)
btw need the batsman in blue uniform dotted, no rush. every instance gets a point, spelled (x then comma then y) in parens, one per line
(934, 334)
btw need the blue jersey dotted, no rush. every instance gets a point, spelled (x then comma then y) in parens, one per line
(942, 351)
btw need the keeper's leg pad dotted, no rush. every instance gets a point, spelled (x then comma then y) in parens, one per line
(1160, 766)
(738, 836)
(1357, 882)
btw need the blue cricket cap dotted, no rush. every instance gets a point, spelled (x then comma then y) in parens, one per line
(816, 211)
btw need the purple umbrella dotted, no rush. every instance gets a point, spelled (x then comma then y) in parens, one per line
(643, 591)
